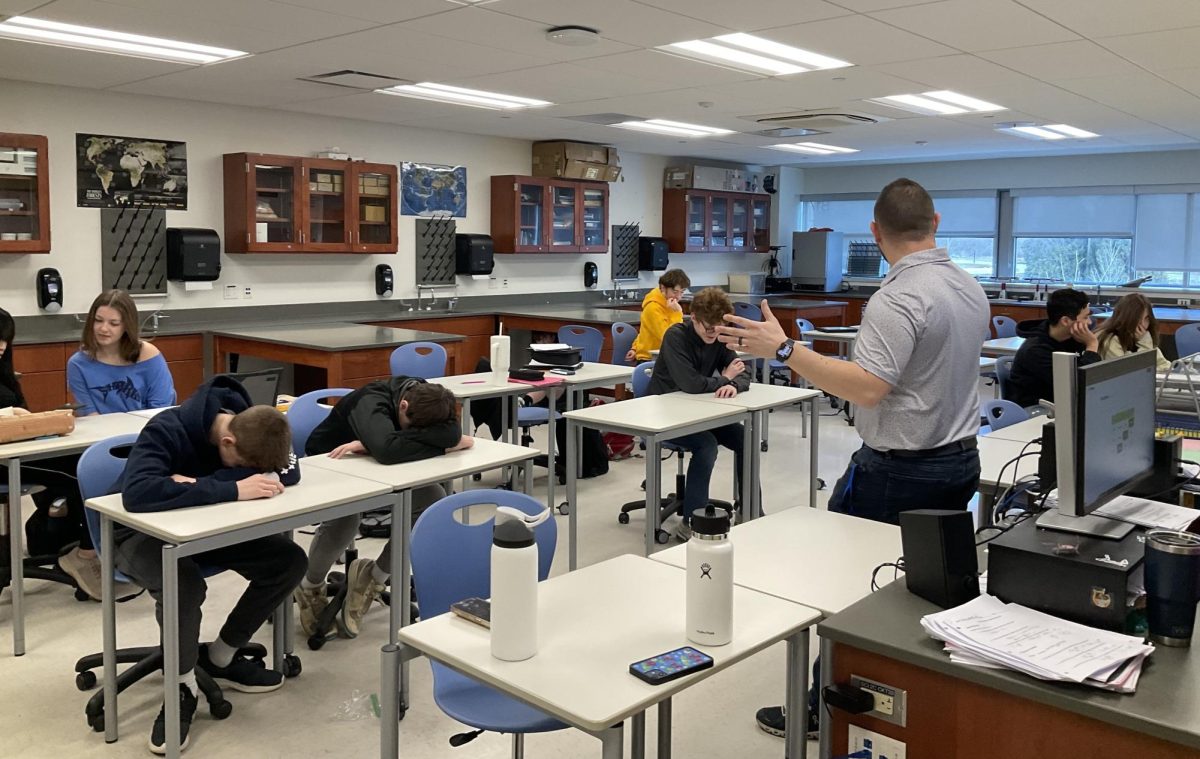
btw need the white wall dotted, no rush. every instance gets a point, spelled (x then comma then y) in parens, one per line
(211, 130)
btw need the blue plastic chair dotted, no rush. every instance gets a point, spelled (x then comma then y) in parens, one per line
(623, 336)
(1001, 414)
(1187, 340)
(307, 411)
(1004, 326)
(451, 561)
(1003, 371)
(589, 340)
(421, 359)
(747, 311)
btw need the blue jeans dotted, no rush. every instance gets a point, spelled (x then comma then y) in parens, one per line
(703, 449)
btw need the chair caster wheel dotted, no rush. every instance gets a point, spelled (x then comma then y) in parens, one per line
(820, 484)
(85, 680)
(662, 537)
(81, 595)
(476, 477)
(96, 723)
(623, 518)
(764, 446)
(564, 508)
(220, 709)
(403, 711)
(315, 642)
(292, 666)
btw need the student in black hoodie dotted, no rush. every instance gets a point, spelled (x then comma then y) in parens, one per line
(393, 421)
(214, 448)
(1065, 330)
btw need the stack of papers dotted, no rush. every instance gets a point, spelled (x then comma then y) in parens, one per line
(986, 632)
(1141, 512)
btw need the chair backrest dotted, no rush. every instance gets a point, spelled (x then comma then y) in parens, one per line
(1001, 414)
(98, 470)
(262, 385)
(623, 336)
(307, 411)
(452, 561)
(747, 311)
(1187, 340)
(804, 325)
(589, 340)
(641, 378)
(1004, 326)
(1003, 371)
(420, 359)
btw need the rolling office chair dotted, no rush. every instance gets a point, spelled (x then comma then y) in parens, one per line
(1001, 414)
(1004, 326)
(623, 337)
(262, 385)
(673, 502)
(39, 567)
(100, 467)
(421, 359)
(451, 561)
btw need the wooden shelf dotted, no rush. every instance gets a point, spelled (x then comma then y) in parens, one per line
(326, 193)
(328, 221)
(272, 220)
(18, 213)
(273, 190)
(373, 223)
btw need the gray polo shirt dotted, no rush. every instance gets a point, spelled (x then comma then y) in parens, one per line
(922, 333)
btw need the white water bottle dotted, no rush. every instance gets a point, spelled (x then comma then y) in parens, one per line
(514, 584)
(501, 357)
(710, 578)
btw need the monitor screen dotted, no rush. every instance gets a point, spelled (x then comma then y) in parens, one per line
(1115, 428)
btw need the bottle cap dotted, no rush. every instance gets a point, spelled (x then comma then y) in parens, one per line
(514, 529)
(711, 521)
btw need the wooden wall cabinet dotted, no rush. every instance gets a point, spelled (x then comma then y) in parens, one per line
(24, 194)
(541, 215)
(710, 221)
(288, 204)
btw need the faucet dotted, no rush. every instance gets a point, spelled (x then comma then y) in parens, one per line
(432, 289)
(155, 317)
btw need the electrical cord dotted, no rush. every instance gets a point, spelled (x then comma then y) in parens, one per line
(1001, 529)
(898, 566)
(1000, 479)
(1188, 481)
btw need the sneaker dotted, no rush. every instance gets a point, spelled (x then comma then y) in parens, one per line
(243, 674)
(773, 721)
(187, 710)
(683, 531)
(86, 574)
(361, 592)
(311, 602)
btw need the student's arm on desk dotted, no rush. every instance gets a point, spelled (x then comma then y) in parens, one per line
(681, 366)
(373, 426)
(150, 483)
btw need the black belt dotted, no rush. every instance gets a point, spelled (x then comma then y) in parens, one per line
(966, 444)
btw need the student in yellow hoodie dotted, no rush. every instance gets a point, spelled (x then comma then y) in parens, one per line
(660, 310)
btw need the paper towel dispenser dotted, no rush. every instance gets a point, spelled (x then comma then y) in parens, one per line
(473, 254)
(193, 255)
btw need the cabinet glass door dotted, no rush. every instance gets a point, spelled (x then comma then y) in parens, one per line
(697, 221)
(274, 203)
(20, 210)
(593, 217)
(761, 224)
(374, 208)
(532, 223)
(327, 207)
(739, 224)
(719, 223)
(563, 220)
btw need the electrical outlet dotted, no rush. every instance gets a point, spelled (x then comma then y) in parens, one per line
(878, 746)
(246, 292)
(1185, 302)
(504, 284)
(890, 702)
(232, 292)
(492, 283)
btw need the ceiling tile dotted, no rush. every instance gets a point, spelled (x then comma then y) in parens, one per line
(967, 74)
(17, 7)
(563, 83)
(250, 81)
(668, 69)
(1158, 51)
(621, 20)
(842, 88)
(1145, 96)
(760, 15)
(28, 62)
(1188, 79)
(1061, 61)
(1106, 18)
(867, 6)
(972, 25)
(385, 11)
(487, 28)
(860, 40)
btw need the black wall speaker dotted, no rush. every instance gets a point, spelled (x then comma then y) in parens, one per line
(939, 555)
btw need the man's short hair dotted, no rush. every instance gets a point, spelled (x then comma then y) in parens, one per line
(430, 404)
(904, 211)
(674, 278)
(1065, 302)
(710, 306)
(263, 438)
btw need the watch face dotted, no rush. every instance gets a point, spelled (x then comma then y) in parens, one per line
(785, 350)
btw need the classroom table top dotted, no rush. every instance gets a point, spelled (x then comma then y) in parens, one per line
(481, 456)
(994, 453)
(1029, 429)
(338, 337)
(480, 385)
(1002, 346)
(759, 397)
(88, 430)
(653, 414)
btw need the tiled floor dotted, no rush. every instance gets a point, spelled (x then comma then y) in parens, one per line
(41, 712)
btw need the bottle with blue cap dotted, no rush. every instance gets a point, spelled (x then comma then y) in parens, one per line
(710, 578)
(514, 584)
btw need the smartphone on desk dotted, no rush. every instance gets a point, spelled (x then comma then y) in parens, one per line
(477, 610)
(669, 666)
(563, 372)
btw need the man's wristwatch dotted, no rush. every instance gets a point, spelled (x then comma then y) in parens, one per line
(785, 350)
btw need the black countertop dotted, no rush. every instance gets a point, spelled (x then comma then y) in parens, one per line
(338, 337)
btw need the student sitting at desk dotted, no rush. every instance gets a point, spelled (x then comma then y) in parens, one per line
(660, 311)
(394, 421)
(214, 448)
(693, 361)
(1065, 330)
(1130, 329)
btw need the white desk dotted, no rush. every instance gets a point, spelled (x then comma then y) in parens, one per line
(1021, 432)
(480, 385)
(1004, 346)
(320, 495)
(759, 400)
(994, 453)
(846, 341)
(590, 376)
(88, 430)
(655, 418)
(595, 622)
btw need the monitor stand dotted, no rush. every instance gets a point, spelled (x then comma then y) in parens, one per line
(1100, 527)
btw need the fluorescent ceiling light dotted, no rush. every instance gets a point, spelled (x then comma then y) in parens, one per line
(1071, 131)
(746, 52)
(1046, 132)
(444, 93)
(938, 102)
(678, 128)
(814, 148)
(1041, 134)
(89, 38)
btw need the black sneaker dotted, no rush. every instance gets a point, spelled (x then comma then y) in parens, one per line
(772, 720)
(242, 674)
(187, 710)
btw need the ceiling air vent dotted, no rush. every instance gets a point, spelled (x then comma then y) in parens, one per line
(355, 80)
(804, 123)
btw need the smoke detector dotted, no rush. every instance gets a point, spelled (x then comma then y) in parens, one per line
(573, 36)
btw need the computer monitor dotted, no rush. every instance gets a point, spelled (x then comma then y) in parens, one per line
(1104, 437)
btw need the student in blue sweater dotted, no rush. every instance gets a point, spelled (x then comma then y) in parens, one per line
(214, 448)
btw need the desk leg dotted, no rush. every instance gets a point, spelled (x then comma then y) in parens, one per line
(572, 498)
(653, 490)
(826, 680)
(527, 468)
(814, 418)
(664, 729)
(550, 440)
(466, 431)
(612, 741)
(170, 639)
(752, 443)
(16, 528)
(637, 737)
(389, 687)
(110, 630)
(796, 741)
(401, 608)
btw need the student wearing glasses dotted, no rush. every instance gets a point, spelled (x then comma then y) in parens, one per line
(660, 311)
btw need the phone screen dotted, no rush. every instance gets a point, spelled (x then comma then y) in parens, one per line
(664, 665)
(477, 610)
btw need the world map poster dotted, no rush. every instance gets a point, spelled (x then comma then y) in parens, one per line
(427, 189)
(120, 172)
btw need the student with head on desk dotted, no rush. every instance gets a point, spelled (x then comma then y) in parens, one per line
(1066, 329)
(693, 361)
(214, 448)
(914, 378)
(1131, 328)
(660, 311)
